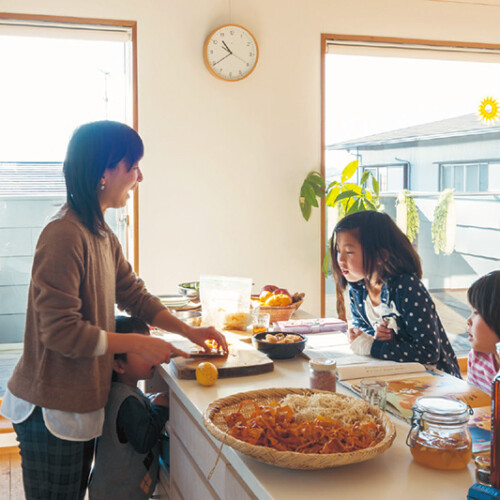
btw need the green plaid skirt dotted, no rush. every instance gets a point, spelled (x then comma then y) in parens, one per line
(53, 468)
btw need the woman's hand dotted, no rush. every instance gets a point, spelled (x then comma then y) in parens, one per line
(156, 351)
(353, 333)
(384, 333)
(199, 335)
(160, 399)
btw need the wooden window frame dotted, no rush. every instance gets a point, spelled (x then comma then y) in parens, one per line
(132, 25)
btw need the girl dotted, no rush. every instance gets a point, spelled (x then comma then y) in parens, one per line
(393, 314)
(483, 327)
(57, 393)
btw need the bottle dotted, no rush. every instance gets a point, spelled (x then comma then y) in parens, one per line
(495, 428)
(323, 374)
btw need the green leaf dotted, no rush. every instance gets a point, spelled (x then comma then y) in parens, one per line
(316, 178)
(320, 192)
(308, 193)
(364, 177)
(345, 194)
(305, 208)
(370, 205)
(357, 206)
(331, 197)
(332, 185)
(349, 170)
(325, 266)
(375, 185)
(354, 187)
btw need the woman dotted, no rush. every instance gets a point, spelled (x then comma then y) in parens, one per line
(57, 393)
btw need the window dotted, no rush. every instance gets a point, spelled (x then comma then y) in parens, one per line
(407, 111)
(55, 76)
(391, 178)
(465, 178)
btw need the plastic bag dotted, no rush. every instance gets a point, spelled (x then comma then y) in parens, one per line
(225, 301)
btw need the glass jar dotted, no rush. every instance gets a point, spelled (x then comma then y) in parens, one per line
(483, 469)
(323, 374)
(439, 436)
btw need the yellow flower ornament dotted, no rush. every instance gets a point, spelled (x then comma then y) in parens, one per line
(488, 109)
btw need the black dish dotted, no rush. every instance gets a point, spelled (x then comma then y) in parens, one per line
(278, 351)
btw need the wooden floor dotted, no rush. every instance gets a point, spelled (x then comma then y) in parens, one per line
(11, 481)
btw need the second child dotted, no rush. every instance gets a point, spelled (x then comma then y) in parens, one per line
(483, 327)
(394, 316)
(127, 455)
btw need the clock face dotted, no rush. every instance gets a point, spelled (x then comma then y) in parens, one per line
(231, 52)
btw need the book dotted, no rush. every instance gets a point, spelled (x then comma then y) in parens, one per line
(402, 392)
(314, 325)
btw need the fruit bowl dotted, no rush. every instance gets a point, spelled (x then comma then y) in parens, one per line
(278, 350)
(278, 313)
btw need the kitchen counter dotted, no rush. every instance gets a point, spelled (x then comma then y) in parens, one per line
(392, 474)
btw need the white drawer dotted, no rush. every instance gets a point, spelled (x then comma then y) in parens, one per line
(201, 448)
(184, 475)
(224, 480)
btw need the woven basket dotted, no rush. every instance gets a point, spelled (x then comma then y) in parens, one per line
(216, 425)
(281, 313)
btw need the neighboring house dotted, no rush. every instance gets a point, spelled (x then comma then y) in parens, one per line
(461, 153)
(30, 193)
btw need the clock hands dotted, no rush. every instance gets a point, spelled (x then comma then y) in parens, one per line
(215, 63)
(226, 47)
(238, 57)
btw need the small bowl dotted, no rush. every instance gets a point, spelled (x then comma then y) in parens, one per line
(278, 351)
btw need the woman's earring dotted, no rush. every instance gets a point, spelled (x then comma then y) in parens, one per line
(102, 186)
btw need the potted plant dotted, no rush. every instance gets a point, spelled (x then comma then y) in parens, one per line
(407, 215)
(443, 226)
(345, 194)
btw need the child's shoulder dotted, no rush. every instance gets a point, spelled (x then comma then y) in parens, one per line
(409, 281)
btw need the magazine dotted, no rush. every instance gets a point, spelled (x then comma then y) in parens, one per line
(314, 325)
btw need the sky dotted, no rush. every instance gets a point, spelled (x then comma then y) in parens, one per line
(365, 95)
(50, 86)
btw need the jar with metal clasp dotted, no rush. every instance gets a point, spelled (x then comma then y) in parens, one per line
(439, 436)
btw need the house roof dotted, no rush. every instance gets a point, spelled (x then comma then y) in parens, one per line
(32, 179)
(451, 127)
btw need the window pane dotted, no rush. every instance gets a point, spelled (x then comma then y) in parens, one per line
(458, 178)
(483, 178)
(494, 177)
(395, 179)
(472, 178)
(446, 177)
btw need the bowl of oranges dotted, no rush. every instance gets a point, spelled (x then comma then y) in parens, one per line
(277, 302)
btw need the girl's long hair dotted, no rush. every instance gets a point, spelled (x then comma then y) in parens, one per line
(93, 148)
(484, 296)
(387, 252)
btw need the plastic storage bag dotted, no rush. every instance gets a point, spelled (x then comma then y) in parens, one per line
(225, 301)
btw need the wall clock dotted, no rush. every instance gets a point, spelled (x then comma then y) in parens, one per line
(231, 53)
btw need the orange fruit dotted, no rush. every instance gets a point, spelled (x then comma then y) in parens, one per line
(206, 373)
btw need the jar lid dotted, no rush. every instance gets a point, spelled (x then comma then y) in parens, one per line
(323, 364)
(442, 409)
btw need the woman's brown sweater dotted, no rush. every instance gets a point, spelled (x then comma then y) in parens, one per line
(76, 280)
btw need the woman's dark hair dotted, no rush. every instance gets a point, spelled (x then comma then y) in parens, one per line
(484, 296)
(93, 148)
(129, 324)
(387, 252)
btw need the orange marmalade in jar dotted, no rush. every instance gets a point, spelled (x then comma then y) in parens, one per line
(439, 436)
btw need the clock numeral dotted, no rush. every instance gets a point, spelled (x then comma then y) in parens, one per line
(240, 72)
(248, 64)
(250, 54)
(215, 42)
(211, 52)
(221, 34)
(231, 33)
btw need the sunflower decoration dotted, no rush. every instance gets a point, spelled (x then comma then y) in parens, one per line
(488, 110)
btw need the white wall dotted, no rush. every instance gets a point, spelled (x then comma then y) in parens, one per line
(224, 161)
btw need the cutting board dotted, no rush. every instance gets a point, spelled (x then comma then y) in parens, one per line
(239, 362)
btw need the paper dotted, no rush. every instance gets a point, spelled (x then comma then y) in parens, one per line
(368, 369)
